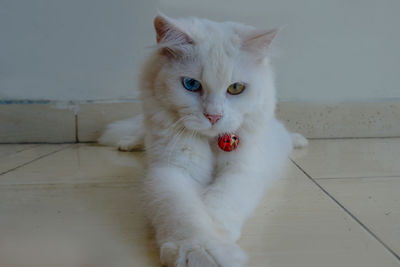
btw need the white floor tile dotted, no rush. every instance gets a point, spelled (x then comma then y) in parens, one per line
(73, 225)
(298, 225)
(350, 158)
(374, 201)
(79, 164)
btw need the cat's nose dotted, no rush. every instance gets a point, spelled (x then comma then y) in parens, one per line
(213, 118)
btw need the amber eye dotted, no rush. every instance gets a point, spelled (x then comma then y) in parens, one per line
(236, 88)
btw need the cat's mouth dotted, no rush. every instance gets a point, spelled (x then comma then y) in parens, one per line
(215, 131)
(204, 127)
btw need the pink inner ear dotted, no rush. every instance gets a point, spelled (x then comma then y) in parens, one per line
(169, 33)
(259, 41)
(161, 26)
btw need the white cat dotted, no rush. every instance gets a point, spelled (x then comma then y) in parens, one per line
(203, 80)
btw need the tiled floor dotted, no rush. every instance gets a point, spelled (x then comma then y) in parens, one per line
(77, 205)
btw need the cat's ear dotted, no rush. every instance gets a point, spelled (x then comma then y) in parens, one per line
(258, 42)
(171, 40)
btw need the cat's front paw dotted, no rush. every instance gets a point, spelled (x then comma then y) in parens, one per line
(298, 140)
(127, 144)
(191, 253)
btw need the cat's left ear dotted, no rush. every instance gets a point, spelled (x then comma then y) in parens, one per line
(258, 42)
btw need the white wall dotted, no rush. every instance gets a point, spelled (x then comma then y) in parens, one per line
(337, 50)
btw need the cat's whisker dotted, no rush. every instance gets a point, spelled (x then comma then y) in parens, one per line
(176, 123)
(171, 128)
(171, 145)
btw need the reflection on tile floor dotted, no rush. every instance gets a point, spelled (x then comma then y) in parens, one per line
(78, 205)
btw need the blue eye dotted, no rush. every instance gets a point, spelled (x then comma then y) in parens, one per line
(191, 84)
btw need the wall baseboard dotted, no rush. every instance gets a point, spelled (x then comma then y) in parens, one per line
(84, 122)
(36, 123)
(342, 120)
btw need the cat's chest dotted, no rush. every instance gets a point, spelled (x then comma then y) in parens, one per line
(195, 157)
(205, 159)
(223, 160)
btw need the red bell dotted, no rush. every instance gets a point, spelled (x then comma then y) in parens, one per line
(228, 142)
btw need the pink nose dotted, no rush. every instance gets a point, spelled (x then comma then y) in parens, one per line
(213, 118)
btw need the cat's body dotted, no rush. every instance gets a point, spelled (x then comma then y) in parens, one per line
(197, 195)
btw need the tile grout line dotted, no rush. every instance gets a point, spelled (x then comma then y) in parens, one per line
(76, 129)
(24, 149)
(347, 211)
(35, 159)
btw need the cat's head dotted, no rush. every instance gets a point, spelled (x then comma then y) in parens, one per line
(213, 75)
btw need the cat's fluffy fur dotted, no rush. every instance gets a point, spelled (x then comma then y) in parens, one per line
(197, 195)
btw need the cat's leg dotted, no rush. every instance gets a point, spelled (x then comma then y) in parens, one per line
(232, 198)
(126, 134)
(185, 232)
(239, 186)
